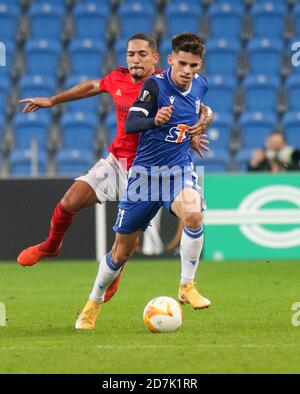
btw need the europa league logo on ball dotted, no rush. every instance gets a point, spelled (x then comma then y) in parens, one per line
(2, 55)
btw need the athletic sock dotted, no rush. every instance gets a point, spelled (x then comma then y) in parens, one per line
(60, 222)
(108, 272)
(190, 251)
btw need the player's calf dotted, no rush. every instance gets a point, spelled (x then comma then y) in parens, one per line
(80, 195)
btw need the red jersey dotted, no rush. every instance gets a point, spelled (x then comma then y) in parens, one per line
(124, 91)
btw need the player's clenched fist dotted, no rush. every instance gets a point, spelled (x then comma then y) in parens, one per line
(164, 115)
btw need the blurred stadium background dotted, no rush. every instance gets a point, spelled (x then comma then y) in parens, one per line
(52, 45)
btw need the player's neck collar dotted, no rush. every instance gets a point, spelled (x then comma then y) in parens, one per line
(184, 93)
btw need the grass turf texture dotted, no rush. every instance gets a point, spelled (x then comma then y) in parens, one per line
(248, 329)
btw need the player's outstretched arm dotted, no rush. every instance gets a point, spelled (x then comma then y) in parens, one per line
(204, 122)
(83, 90)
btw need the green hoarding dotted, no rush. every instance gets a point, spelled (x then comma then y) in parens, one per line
(252, 216)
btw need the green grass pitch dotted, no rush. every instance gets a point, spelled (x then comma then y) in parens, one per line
(247, 330)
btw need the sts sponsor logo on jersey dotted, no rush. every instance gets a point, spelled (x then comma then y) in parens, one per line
(177, 134)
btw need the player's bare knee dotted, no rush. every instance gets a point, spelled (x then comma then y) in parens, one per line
(192, 220)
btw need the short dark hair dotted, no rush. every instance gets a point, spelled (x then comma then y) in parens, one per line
(188, 42)
(145, 37)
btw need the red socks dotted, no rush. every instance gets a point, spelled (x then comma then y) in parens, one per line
(60, 222)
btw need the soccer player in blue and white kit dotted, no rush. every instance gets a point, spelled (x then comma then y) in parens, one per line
(162, 174)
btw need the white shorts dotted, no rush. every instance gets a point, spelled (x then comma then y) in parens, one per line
(107, 178)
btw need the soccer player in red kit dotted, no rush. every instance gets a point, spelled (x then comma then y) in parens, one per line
(124, 85)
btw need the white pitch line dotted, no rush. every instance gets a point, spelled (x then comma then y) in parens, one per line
(229, 346)
(138, 347)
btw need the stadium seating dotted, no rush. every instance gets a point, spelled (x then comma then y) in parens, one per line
(150, 3)
(46, 21)
(7, 58)
(37, 86)
(269, 20)
(42, 57)
(91, 21)
(136, 17)
(74, 162)
(2, 127)
(219, 133)
(120, 50)
(80, 51)
(215, 161)
(53, 45)
(79, 130)
(222, 56)
(256, 126)
(297, 18)
(32, 128)
(221, 93)
(28, 162)
(102, 3)
(231, 2)
(90, 104)
(291, 123)
(243, 157)
(293, 52)
(16, 3)
(182, 17)
(261, 93)
(9, 17)
(226, 20)
(265, 56)
(111, 126)
(293, 91)
(4, 91)
(52, 2)
(276, 2)
(165, 49)
(189, 2)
